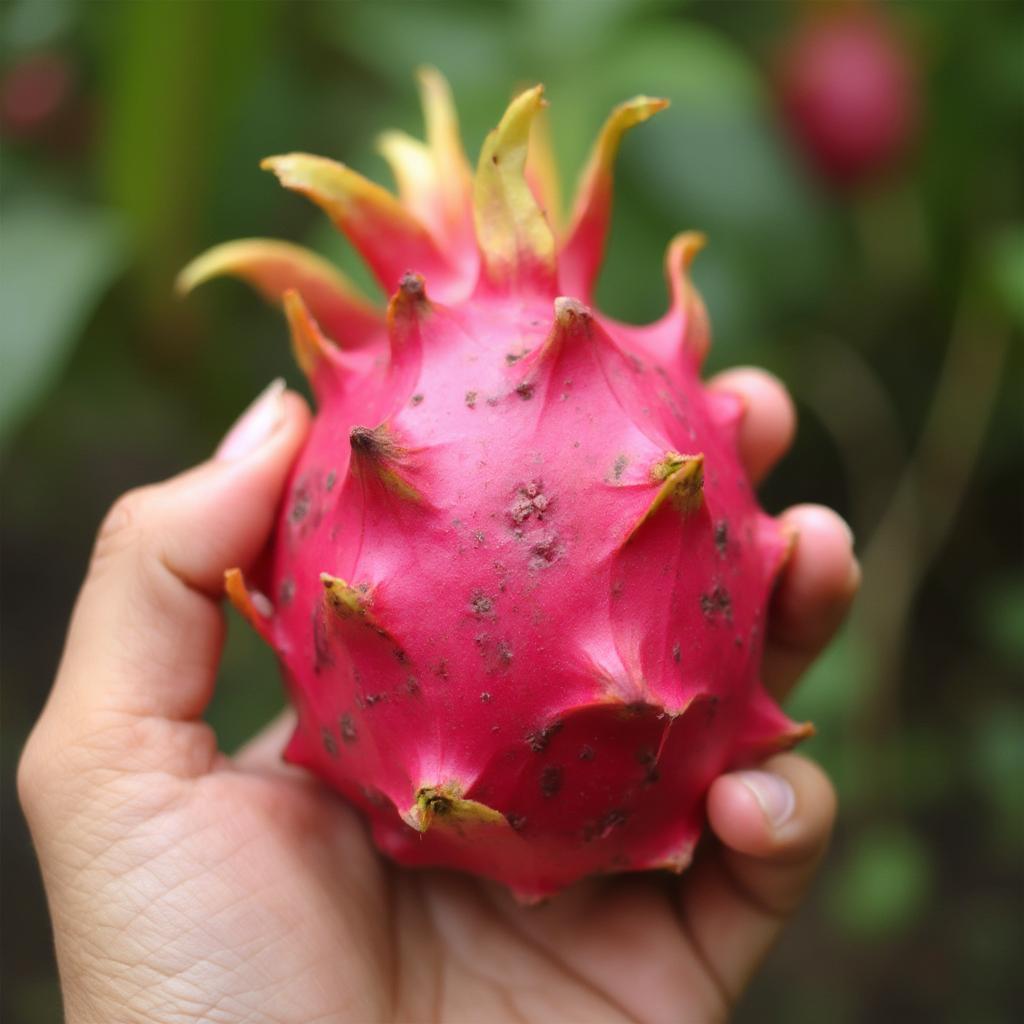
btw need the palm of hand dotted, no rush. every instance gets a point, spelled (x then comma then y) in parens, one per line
(300, 919)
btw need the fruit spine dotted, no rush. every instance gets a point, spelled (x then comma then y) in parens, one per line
(518, 585)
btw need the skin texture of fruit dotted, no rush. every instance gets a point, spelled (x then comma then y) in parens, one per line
(519, 583)
(848, 93)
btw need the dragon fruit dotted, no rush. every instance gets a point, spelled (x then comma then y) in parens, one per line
(848, 91)
(518, 584)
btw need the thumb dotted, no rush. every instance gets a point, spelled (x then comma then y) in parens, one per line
(773, 825)
(147, 630)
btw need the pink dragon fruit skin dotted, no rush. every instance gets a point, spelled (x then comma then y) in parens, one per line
(519, 581)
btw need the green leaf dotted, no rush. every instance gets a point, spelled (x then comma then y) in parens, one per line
(999, 617)
(883, 884)
(1007, 272)
(997, 766)
(173, 78)
(58, 259)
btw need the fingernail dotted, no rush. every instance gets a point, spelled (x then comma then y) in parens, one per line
(773, 793)
(255, 425)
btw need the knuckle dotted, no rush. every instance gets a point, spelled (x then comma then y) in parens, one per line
(123, 527)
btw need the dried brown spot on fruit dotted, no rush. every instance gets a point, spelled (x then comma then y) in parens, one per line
(529, 501)
(301, 502)
(722, 535)
(677, 652)
(586, 753)
(545, 551)
(716, 602)
(416, 399)
(471, 399)
(485, 697)
(481, 605)
(602, 827)
(538, 741)
(524, 389)
(330, 745)
(649, 761)
(516, 821)
(347, 726)
(550, 780)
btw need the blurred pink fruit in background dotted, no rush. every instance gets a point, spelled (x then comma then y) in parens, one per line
(848, 90)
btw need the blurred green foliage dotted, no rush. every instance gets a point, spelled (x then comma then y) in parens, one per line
(893, 312)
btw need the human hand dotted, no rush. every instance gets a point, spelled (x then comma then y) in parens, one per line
(188, 885)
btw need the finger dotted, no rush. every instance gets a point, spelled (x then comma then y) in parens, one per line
(147, 630)
(813, 595)
(769, 419)
(263, 752)
(772, 827)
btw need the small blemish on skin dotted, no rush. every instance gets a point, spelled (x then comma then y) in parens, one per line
(524, 390)
(481, 605)
(648, 759)
(550, 780)
(516, 821)
(412, 686)
(545, 552)
(287, 591)
(619, 467)
(677, 652)
(604, 826)
(300, 506)
(722, 535)
(332, 478)
(485, 697)
(348, 728)
(416, 399)
(586, 753)
(328, 740)
(530, 500)
(716, 602)
(712, 707)
(471, 399)
(538, 741)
